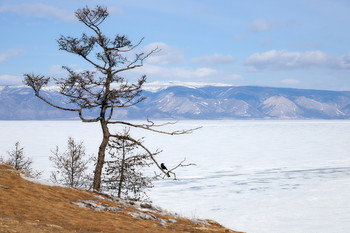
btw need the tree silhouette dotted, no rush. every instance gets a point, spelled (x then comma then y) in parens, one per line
(101, 89)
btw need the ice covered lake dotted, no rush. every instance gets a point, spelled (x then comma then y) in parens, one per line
(253, 176)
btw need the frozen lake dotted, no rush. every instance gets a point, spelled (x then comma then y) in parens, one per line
(253, 176)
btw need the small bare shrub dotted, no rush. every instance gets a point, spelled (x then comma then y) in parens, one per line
(19, 161)
(71, 165)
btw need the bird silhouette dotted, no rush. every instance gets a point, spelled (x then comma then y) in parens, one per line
(163, 166)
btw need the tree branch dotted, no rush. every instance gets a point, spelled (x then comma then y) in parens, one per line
(128, 138)
(139, 58)
(56, 106)
(174, 168)
(152, 124)
(180, 165)
(87, 120)
(131, 48)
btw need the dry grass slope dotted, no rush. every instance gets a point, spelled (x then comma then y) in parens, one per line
(34, 208)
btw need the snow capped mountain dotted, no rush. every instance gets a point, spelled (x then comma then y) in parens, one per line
(193, 101)
(280, 107)
(313, 105)
(160, 85)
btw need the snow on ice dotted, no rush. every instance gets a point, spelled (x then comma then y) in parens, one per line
(253, 176)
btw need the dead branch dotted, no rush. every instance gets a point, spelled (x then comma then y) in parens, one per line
(138, 58)
(170, 171)
(151, 126)
(167, 173)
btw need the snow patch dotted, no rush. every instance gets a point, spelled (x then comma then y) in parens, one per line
(39, 181)
(160, 85)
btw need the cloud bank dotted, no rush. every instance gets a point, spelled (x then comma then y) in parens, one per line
(212, 60)
(283, 59)
(167, 54)
(7, 79)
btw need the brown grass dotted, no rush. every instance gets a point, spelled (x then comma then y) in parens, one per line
(35, 208)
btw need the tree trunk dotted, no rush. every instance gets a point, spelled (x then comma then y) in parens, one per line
(106, 135)
(122, 170)
(101, 156)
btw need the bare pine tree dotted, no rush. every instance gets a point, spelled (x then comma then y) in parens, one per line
(101, 89)
(71, 165)
(19, 161)
(124, 173)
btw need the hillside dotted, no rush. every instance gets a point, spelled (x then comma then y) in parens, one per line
(190, 102)
(35, 208)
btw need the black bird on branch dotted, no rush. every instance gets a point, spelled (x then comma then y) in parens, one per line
(163, 166)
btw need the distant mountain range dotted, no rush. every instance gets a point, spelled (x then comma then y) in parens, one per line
(189, 102)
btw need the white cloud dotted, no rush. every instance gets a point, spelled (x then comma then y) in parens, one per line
(290, 81)
(203, 72)
(38, 10)
(261, 25)
(178, 73)
(9, 54)
(283, 59)
(343, 62)
(211, 60)
(232, 77)
(7, 79)
(175, 72)
(165, 65)
(167, 54)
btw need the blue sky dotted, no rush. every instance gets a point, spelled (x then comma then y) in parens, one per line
(298, 44)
